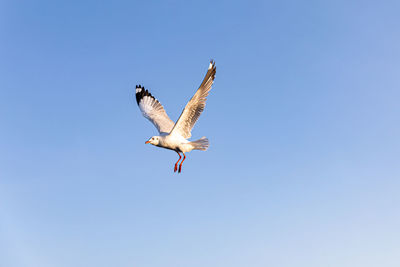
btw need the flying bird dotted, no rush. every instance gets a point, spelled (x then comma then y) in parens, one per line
(172, 135)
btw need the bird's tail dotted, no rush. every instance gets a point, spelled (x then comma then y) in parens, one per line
(201, 144)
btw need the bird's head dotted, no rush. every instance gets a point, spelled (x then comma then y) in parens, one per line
(155, 140)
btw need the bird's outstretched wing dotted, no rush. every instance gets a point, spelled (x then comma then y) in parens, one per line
(195, 106)
(153, 110)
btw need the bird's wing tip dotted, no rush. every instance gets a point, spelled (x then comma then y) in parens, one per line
(212, 64)
(139, 88)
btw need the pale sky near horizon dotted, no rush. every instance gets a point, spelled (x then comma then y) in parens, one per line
(303, 121)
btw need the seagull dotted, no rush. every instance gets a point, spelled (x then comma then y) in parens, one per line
(174, 136)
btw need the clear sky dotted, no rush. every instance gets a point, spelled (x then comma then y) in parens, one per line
(303, 121)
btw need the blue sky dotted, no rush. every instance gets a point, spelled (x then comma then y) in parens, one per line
(303, 121)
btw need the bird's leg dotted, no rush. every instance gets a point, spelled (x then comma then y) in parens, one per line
(180, 165)
(176, 164)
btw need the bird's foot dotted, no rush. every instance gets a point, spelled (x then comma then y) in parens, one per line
(176, 167)
(180, 169)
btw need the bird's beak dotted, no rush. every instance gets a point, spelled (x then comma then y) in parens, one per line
(147, 142)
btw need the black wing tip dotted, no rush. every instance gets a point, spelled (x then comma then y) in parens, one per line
(212, 69)
(142, 93)
(212, 64)
(139, 86)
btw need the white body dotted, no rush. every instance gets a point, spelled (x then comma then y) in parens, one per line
(175, 142)
(178, 143)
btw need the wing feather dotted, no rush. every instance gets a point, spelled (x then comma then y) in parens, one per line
(195, 106)
(152, 110)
